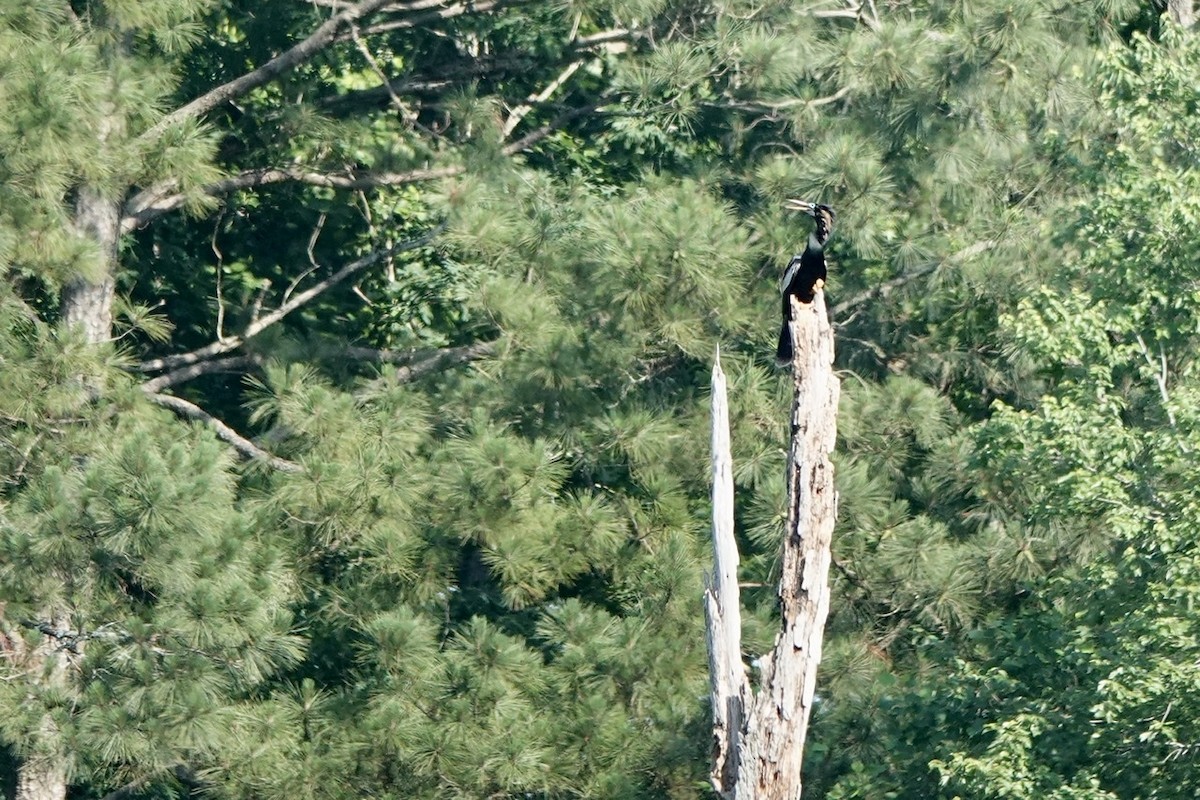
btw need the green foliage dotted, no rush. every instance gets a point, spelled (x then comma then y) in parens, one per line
(483, 579)
(1085, 692)
(168, 603)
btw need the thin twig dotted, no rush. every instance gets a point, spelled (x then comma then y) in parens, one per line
(312, 259)
(258, 325)
(220, 269)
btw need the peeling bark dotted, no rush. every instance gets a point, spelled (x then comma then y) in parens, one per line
(731, 688)
(761, 758)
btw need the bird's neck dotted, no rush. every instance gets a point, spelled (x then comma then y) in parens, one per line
(815, 245)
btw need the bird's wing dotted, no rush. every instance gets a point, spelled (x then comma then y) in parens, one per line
(788, 274)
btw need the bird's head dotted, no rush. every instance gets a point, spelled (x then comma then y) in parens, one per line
(820, 212)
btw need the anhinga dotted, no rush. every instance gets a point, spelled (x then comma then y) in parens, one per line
(805, 273)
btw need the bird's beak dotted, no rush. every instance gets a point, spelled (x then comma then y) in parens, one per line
(802, 206)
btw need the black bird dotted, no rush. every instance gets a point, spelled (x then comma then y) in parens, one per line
(805, 273)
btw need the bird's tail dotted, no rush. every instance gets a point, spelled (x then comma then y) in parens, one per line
(783, 351)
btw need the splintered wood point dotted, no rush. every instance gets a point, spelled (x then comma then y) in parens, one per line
(758, 735)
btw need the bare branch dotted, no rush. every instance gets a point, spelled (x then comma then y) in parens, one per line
(1160, 375)
(446, 12)
(71, 639)
(530, 139)
(518, 113)
(605, 37)
(321, 38)
(395, 7)
(258, 325)
(223, 431)
(836, 13)
(184, 374)
(773, 108)
(220, 271)
(406, 113)
(151, 203)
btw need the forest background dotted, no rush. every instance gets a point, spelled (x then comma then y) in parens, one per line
(353, 374)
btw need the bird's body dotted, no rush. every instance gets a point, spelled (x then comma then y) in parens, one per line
(805, 273)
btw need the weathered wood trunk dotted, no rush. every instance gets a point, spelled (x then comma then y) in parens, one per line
(759, 735)
(731, 689)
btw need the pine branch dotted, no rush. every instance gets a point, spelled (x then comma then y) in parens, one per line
(150, 204)
(223, 431)
(414, 364)
(430, 363)
(887, 287)
(322, 37)
(259, 324)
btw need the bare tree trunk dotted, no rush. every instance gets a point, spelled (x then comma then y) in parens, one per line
(1182, 12)
(87, 301)
(42, 774)
(41, 778)
(759, 753)
(87, 305)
